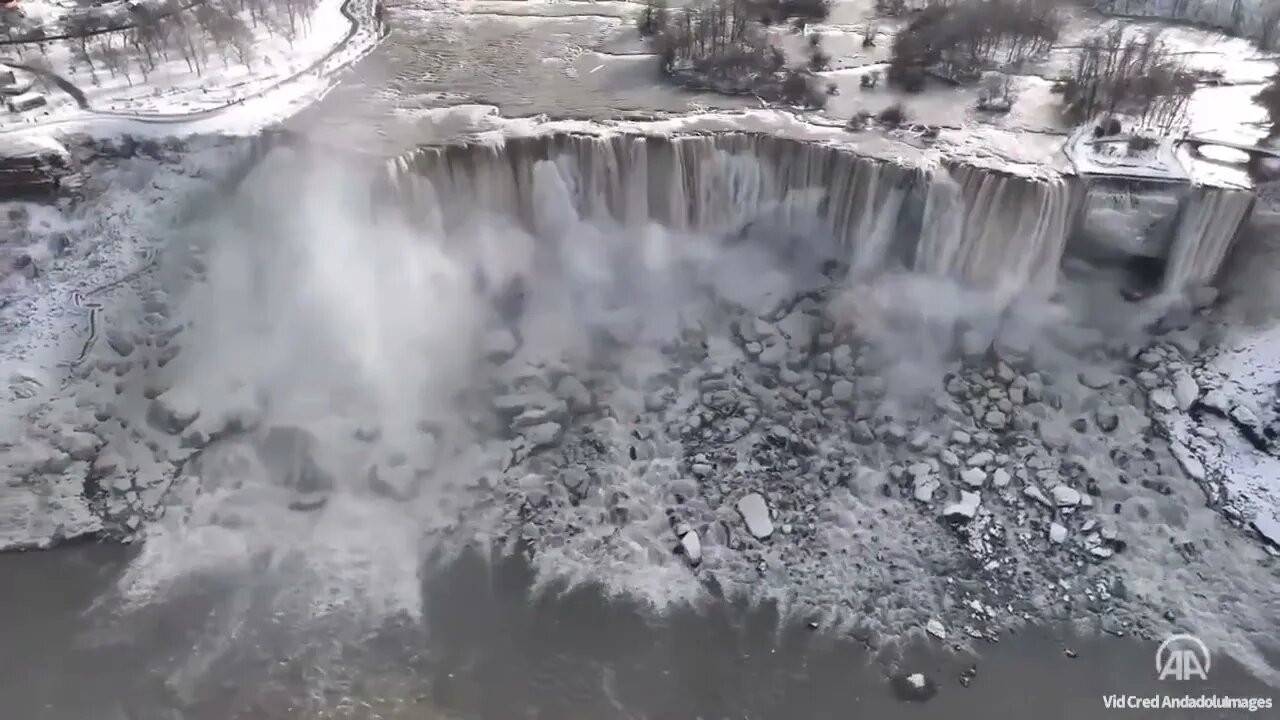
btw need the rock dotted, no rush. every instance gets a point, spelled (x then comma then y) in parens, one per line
(1095, 378)
(842, 390)
(542, 435)
(974, 477)
(1057, 533)
(1190, 464)
(1106, 419)
(1034, 493)
(923, 489)
(1185, 390)
(960, 437)
(862, 433)
(919, 441)
(1065, 496)
(964, 510)
(914, 687)
(1163, 399)
(691, 548)
(981, 458)
(1000, 478)
(995, 419)
(1267, 525)
(755, 513)
(936, 628)
(172, 411)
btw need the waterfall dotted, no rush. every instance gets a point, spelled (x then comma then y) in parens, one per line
(987, 229)
(994, 230)
(1207, 224)
(708, 183)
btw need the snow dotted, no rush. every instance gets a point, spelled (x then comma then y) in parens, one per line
(1246, 374)
(226, 95)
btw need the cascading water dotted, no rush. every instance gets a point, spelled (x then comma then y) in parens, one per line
(1207, 224)
(988, 229)
(996, 231)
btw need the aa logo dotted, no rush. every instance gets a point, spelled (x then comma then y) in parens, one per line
(1182, 657)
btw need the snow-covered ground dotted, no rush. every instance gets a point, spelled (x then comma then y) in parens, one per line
(254, 67)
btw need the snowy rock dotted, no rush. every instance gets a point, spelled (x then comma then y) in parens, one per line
(842, 390)
(543, 434)
(936, 628)
(979, 459)
(1163, 399)
(924, 488)
(974, 477)
(1217, 400)
(1065, 496)
(964, 510)
(755, 513)
(862, 433)
(1057, 533)
(1268, 526)
(1034, 493)
(1192, 466)
(914, 687)
(172, 411)
(1185, 390)
(1095, 378)
(691, 548)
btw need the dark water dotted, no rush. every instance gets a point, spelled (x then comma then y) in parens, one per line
(486, 649)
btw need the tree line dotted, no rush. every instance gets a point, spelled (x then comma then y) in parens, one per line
(212, 31)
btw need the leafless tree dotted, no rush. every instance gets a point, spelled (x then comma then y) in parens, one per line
(1136, 75)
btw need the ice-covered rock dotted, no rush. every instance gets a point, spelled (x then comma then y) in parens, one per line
(542, 435)
(755, 513)
(974, 477)
(1065, 496)
(1267, 524)
(1095, 378)
(1185, 390)
(1057, 533)
(691, 547)
(965, 509)
(1163, 399)
(913, 687)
